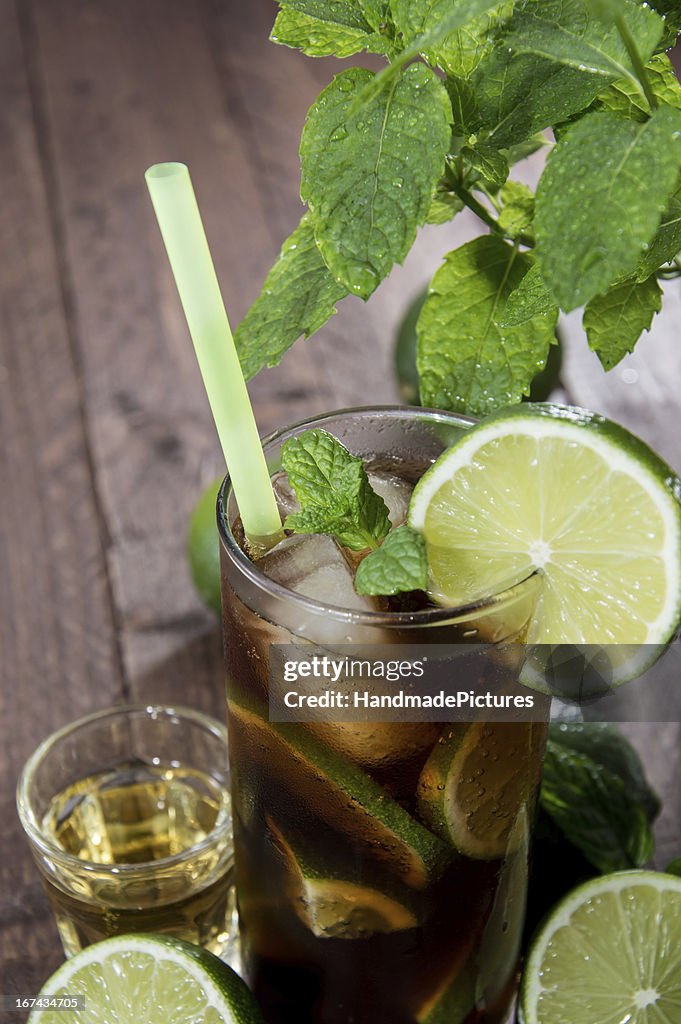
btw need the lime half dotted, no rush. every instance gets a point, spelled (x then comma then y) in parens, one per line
(568, 494)
(610, 952)
(150, 978)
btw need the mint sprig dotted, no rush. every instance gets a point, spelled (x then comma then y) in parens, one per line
(470, 88)
(334, 492)
(398, 566)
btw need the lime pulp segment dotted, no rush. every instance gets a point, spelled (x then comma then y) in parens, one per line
(610, 952)
(155, 979)
(568, 494)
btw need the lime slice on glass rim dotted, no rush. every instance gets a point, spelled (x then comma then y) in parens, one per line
(150, 978)
(610, 951)
(575, 497)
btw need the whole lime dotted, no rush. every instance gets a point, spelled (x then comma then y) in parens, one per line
(203, 549)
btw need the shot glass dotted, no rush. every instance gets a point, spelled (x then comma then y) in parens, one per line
(128, 815)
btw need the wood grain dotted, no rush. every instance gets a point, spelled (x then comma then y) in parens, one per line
(58, 645)
(128, 85)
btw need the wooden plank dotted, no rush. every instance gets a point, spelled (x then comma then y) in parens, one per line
(58, 651)
(128, 85)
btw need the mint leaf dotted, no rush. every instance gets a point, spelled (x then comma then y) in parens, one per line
(368, 178)
(520, 93)
(376, 12)
(399, 565)
(594, 217)
(453, 34)
(440, 18)
(606, 10)
(521, 150)
(465, 113)
(488, 162)
(517, 213)
(667, 241)
(298, 296)
(597, 808)
(671, 12)
(625, 98)
(466, 361)
(334, 492)
(531, 298)
(614, 322)
(606, 745)
(564, 32)
(443, 206)
(322, 28)
(519, 96)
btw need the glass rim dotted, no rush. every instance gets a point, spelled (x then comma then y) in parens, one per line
(33, 827)
(423, 617)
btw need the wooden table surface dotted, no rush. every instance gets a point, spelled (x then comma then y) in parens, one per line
(106, 435)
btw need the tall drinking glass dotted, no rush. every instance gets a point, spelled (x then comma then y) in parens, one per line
(353, 907)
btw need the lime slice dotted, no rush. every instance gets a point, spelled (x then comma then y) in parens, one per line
(337, 908)
(610, 951)
(150, 978)
(498, 957)
(453, 1002)
(488, 972)
(569, 494)
(341, 794)
(477, 780)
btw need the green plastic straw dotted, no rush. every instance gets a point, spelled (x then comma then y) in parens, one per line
(180, 222)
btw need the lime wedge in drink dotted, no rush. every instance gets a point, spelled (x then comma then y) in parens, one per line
(498, 956)
(468, 793)
(337, 908)
(377, 745)
(453, 1002)
(340, 793)
(150, 978)
(489, 970)
(610, 951)
(568, 494)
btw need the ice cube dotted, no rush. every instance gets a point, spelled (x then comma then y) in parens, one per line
(396, 493)
(314, 566)
(285, 495)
